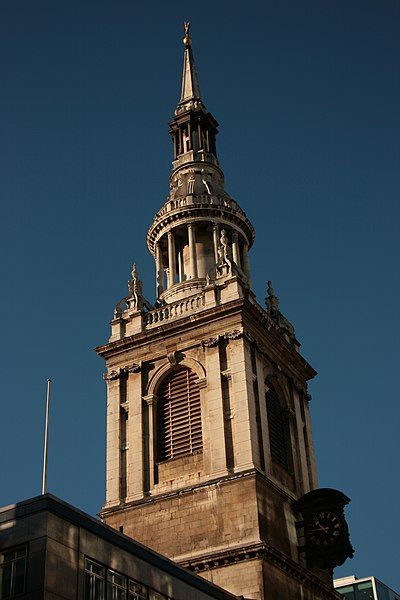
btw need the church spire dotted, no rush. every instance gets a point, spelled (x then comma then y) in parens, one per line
(190, 84)
(200, 235)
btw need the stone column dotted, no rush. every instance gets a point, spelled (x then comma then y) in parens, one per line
(135, 483)
(216, 241)
(192, 251)
(181, 271)
(235, 249)
(113, 440)
(159, 271)
(246, 264)
(151, 402)
(171, 259)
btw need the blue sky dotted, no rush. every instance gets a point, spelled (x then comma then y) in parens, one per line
(307, 95)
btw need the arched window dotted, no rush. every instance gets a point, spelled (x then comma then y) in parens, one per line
(278, 427)
(178, 415)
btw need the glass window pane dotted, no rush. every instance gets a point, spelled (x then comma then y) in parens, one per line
(7, 556)
(116, 578)
(93, 567)
(19, 576)
(98, 589)
(5, 581)
(347, 592)
(137, 591)
(383, 592)
(364, 591)
(88, 591)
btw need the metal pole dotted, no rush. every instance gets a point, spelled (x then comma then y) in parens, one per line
(46, 438)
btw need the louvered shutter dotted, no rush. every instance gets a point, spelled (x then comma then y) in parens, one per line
(277, 427)
(178, 416)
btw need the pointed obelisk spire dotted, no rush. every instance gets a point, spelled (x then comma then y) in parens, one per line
(190, 83)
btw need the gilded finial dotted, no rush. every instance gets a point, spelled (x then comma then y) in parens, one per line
(186, 40)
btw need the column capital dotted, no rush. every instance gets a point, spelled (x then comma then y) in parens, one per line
(150, 400)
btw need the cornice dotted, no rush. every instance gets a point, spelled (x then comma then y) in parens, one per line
(198, 211)
(170, 328)
(269, 340)
(263, 551)
(224, 479)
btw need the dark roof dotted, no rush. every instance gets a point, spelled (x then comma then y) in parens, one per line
(48, 502)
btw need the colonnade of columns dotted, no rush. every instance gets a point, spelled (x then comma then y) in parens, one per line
(175, 263)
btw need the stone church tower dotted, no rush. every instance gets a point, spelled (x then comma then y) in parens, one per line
(209, 441)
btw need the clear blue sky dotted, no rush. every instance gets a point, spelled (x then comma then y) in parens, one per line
(307, 95)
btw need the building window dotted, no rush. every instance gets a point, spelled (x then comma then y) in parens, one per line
(116, 586)
(12, 572)
(105, 584)
(94, 581)
(137, 591)
(178, 415)
(278, 427)
(357, 591)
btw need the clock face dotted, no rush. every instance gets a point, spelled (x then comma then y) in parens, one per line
(323, 529)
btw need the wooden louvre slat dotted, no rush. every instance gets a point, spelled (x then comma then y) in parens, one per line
(277, 428)
(178, 416)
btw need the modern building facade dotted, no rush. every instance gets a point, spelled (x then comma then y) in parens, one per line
(364, 588)
(209, 440)
(52, 551)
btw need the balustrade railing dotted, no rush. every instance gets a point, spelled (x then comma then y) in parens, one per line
(174, 310)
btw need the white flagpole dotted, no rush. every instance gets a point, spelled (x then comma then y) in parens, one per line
(46, 439)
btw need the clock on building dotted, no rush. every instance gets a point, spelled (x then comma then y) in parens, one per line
(323, 532)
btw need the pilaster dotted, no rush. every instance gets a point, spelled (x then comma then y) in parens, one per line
(214, 430)
(245, 428)
(301, 449)
(135, 489)
(113, 442)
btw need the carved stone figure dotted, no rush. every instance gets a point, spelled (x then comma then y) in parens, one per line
(206, 179)
(135, 288)
(190, 184)
(271, 300)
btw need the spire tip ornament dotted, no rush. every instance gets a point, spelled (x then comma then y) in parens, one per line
(186, 40)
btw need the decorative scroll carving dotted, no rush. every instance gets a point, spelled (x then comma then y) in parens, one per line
(174, 357)
(210, 342)
(133, 368)
(233, 335)
(112, 375)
